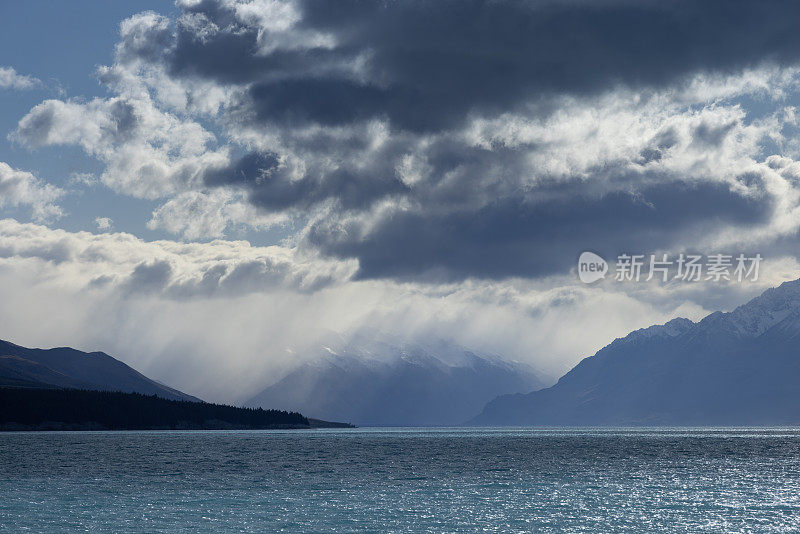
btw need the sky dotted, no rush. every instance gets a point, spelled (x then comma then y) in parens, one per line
(208, 189)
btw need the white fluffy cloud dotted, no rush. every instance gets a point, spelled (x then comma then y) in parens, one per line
(104, 223)
(199, 214)
(178, 270)
(10, 79)
(21, 188)
(148, 153)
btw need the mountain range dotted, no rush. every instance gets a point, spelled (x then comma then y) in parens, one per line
(67, 389)
(736, 368)
(372, 380)
(64, 367)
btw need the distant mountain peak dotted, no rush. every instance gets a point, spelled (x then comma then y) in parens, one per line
(374, 379)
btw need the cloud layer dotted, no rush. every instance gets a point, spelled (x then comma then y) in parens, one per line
(169, 268)
(448, 140)
(223, 319)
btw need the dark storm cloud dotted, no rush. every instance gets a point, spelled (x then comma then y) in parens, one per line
(351, 189)
(250, 169)
(270, 188)
(231, 55)
(477, 207)
(430, 64)
(358, 182)
(514, 238)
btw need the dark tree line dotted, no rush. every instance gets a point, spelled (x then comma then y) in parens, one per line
(26, 408)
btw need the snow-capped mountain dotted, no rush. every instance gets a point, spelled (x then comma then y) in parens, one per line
(377, 381)
(764, 312)
(740, 367)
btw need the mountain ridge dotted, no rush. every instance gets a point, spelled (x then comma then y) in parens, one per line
(65, 367)
(737, 367)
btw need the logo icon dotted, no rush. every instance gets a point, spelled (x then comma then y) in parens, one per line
(591, 267)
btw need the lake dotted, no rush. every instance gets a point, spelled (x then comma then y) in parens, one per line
(438, 480)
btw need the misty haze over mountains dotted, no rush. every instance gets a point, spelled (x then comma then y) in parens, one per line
(736, 368)
(375, 380)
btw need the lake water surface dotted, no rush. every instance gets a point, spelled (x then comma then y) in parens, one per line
(438, 480)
